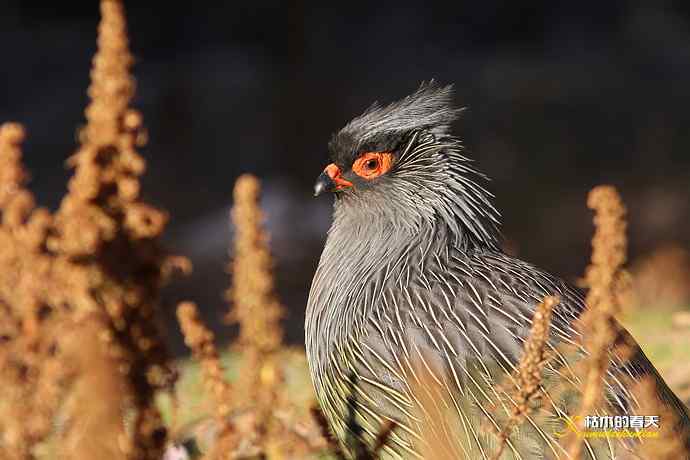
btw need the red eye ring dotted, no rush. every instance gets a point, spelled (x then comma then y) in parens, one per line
(371, 165)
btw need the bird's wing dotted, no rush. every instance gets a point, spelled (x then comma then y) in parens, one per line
(446, 345)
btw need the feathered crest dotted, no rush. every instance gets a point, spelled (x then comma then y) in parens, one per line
(430, 107)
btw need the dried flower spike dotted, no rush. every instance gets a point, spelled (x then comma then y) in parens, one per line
(201, 341)
(529, 372)
(257, 311)
(606, 282)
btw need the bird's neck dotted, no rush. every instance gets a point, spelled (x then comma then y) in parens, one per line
(361, 258)
(393, 236)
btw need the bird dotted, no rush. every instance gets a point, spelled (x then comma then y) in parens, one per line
(412, 275)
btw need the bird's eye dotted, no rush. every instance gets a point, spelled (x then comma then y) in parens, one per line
(371, 165)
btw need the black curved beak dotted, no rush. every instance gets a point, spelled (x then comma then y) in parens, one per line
(323, 184)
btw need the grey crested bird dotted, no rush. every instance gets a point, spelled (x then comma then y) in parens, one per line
(412, 274)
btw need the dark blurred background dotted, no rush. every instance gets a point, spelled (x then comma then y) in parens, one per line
(561, 96)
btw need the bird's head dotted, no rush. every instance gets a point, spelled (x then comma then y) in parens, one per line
(399, 165)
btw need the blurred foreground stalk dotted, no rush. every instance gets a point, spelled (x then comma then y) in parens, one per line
(608, 284)
(78, 289)
(255, 309)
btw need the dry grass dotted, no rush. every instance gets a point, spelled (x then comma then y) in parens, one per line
(97, 256)
(278, 429)
(255, 308)
(436, 421)
(96, 429)
(24, 350)
(528, 377)
(606, 283)
(263, 422)
(254, 304)
(201, 341)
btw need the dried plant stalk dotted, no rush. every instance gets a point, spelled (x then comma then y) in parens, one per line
(330, 441)
(102, 220)
(31, 372)
(437, 422)
(97, 398)
(606, 284)
(98, 255)
(528, 376)
(255, 308)
(201, 341)
(12, 174)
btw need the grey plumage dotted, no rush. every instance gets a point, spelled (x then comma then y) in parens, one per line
(412, 272)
